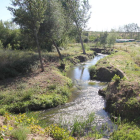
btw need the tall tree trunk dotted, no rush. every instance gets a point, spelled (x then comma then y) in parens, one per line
(84, 52)
(39, 52)
(60, 56)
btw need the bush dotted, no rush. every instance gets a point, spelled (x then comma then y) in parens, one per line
(2, 111)
(92, 71)
(58, 133)
(13, 63)
(87, 48)
(21, 133)
(24, 100)
(116, 78)
(126, 132)
(52, 87)
(1, 45)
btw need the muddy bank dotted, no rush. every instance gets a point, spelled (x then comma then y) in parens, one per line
(103, 51)
(105, 73)
(122, 93)
(80, 58)
(122, 98)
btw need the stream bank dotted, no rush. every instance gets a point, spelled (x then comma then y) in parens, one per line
(122, 93)
(84, 100)
(39, 90)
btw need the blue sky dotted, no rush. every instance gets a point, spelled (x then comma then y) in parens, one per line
(106, 14)
(4, 13)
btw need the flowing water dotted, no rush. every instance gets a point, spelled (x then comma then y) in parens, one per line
(84, 99)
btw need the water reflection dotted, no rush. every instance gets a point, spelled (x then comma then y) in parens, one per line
(80, 71)
(84, 100)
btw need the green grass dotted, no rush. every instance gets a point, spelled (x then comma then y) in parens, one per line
(126, 131)
(13, 63)
(21, 97)
(91, 83)
(24, 100)
(123, 61)
(20, 133)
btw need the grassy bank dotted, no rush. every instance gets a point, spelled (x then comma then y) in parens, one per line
(122, 93)
(26, 126)
(35, 91)
(23, 87)
(16, 63)
(126, 131)
(22, 127)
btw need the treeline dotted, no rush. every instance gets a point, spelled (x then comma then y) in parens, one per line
(54, 23)
(128, 31)
(44, 23)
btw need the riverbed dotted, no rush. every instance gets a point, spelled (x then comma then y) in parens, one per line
(84, 100)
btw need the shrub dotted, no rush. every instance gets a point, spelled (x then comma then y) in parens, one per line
(58, 133)
(64, 91)
(13, 63)
(126, 132)
(52, 87)
(116, 78)
(21, 133)
(92, 71)
(79, 127)
(91, 83)
(2, 111)
(87, 48)
(1, 45)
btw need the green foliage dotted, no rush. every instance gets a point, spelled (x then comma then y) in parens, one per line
(79, 127)
(20, 133)
(2, 111)
(91, 83)
(111, 39)
(126, 132)
(16, 126)
(52, 87)
(103, 38)
(92, 68)
(87, 47)
(92, 38)
(78, 13)
(58, 133)
(116, 78)
(13, 63)
(1, 45)
(9, 47)
(92, 71)
(10, 36)
(133, 103)
(23, 100)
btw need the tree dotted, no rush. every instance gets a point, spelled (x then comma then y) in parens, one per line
(29, 14)
(77, 11)
(53, 29)
(103, 39)
(9, 34)
(111, 38)
(1, 45)
(131, 29)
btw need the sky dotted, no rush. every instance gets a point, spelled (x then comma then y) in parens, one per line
(105, 14)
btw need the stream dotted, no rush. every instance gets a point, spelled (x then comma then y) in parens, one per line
(84, 100)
